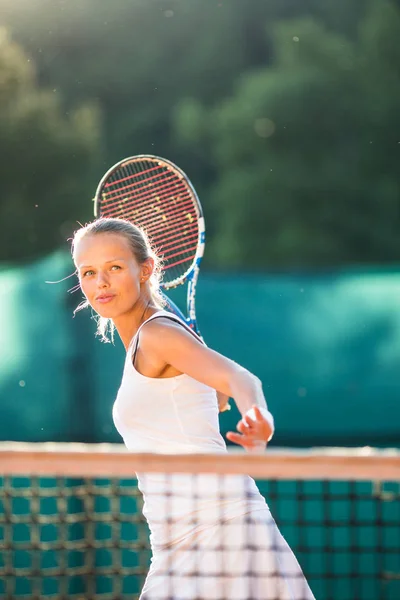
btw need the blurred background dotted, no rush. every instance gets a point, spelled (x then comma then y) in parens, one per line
(285, 116)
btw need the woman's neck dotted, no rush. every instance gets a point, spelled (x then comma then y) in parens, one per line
(128, 324)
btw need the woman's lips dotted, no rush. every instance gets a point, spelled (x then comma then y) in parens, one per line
(104, 298)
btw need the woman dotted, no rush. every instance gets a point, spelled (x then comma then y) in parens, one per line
(212, 538)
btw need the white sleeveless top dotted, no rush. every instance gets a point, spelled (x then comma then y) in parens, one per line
(178, 415)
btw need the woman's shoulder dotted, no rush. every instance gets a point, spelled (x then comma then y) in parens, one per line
(162, 320)
(164, 326)
(164, 317)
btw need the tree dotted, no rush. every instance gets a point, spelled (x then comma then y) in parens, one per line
(273, 128)
(138, 59)
(47, 159)
(307, 151)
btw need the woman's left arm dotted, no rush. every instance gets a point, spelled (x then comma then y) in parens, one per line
(256, 427)
(185, 353)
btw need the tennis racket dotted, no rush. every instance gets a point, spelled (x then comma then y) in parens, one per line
(156, 195)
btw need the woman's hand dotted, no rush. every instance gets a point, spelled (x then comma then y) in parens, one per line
(254, 434)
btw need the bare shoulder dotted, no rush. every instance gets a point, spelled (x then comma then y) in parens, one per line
(167, 330)
(166, 342)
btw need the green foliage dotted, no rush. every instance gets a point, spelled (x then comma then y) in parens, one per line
(307, 150)
(137, 60)
(283, 113)
(47, 156)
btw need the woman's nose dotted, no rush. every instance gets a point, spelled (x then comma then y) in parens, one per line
(102, 280)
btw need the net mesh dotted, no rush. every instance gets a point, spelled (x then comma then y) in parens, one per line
(70, 530)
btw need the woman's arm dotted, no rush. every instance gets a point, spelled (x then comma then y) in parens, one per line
(170, 344)
(223, 402)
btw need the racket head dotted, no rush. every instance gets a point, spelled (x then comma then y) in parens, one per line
(156, 195)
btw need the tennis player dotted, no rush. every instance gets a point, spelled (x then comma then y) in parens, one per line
(211, 537)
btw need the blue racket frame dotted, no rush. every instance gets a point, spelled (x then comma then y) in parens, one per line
(173, 308)
(192, 277)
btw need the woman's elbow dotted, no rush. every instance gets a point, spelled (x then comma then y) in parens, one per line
(245, 380)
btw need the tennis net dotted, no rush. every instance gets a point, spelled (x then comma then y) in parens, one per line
(71, 524)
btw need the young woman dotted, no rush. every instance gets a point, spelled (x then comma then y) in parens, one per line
(211, 537)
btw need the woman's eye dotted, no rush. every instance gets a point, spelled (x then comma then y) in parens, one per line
(86, 273)
(115, 267)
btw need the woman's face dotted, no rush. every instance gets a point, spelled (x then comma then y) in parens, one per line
(109, 273)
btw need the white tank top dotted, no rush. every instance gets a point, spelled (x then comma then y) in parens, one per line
(178, 415)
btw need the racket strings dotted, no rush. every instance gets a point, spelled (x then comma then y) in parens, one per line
(160, 213)
(142, 192)
(147, 208)
(185, 209)
(192, 239)
(158, 200)
(162, 184)
(189, 238)
(130, 168)
(168, 224)
(159, 175)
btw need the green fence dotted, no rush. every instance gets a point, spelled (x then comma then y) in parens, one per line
(326, 346)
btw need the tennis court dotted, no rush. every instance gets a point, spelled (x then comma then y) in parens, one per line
(213, 188)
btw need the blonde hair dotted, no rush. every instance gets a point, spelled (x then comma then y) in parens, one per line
(141, 249)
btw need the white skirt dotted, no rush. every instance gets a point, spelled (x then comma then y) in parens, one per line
(244, 558)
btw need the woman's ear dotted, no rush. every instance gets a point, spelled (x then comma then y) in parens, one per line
(146, 270)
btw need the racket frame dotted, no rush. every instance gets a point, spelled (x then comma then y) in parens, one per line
(190, 276)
